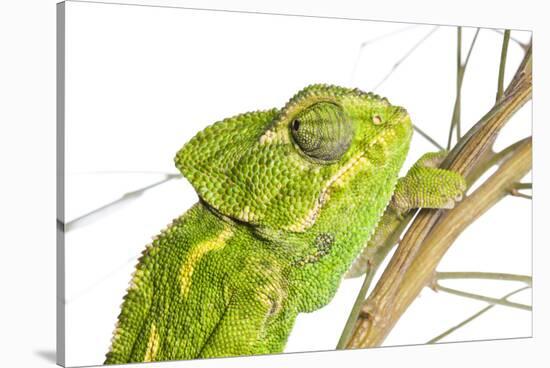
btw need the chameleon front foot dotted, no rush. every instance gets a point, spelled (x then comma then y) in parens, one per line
(426, 186)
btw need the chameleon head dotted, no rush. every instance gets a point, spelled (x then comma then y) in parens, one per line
(327, 150)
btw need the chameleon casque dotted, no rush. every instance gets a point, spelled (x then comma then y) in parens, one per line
(288, 199)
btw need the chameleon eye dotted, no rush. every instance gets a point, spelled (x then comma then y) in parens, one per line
(322, 131)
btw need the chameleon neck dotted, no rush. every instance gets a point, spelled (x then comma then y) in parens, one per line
(342, 230)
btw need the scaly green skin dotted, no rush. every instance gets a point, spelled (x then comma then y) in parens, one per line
(288, 199)
(425, 185)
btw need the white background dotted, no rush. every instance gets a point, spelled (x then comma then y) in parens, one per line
(136, 93)
(29, 335)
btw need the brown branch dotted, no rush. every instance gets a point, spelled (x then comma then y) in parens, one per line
(433, 231)
(383, 310)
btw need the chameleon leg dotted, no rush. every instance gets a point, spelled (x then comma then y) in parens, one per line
(427, 186)
(424, 186)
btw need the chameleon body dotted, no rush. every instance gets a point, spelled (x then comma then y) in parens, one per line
(288, 199)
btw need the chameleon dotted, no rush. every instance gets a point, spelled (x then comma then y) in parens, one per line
(289, 199)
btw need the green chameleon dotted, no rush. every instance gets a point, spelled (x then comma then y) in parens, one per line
(289, 198)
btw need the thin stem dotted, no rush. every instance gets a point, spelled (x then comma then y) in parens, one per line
(483, 276)
(502, 68)
(463, 71)
(366, 43)
(482, 298)
(516, 187)
(427, 137)
(124, 172)
(89, 217)
(470, 49)
(350, 323)
(460, 71)
(404, 57)
(459, 75)
(516, 193)
(524, 46)
(473, 317)
(523, 186)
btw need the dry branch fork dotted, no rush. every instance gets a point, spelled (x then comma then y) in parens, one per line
(433, 231)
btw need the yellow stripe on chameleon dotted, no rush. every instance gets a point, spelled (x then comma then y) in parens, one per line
(196, 253)
(152, 345)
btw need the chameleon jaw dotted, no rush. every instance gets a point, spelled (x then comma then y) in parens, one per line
(337, 179)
